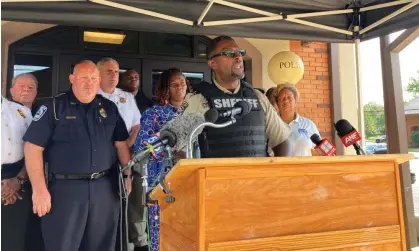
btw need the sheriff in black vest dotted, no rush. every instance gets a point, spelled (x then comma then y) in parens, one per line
(245, 138)
(253, 134)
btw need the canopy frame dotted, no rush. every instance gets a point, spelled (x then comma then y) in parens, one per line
(352, 31)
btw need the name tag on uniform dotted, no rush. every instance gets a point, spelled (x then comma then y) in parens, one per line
(70, 117)
(228, 103)
(302, 131)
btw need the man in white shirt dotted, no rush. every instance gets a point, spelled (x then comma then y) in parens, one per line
(24, 89)
(16, 204)
(125, 101)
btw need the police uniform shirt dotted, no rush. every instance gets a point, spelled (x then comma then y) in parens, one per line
(301, 130)
(15, 120)
(127, 106)
(79, 138)
(277, 131)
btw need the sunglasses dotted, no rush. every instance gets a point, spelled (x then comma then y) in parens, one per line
(230, 53)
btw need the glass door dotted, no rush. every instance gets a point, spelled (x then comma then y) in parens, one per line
(67, 63)
(194, 72)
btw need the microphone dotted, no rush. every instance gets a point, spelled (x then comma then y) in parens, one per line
(211, 115)
(349, 135)
(181, 126)
(323, 146)
(156, 143)
(239, 110)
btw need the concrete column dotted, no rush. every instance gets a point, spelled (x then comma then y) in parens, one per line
(344, 82)
(396, 130)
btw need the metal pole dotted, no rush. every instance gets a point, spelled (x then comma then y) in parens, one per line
(205, 11)
(361, 125)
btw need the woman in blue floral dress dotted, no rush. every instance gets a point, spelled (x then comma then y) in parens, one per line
(171, 89)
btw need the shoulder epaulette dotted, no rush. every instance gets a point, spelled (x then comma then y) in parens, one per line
(59, 94)
(54, 104)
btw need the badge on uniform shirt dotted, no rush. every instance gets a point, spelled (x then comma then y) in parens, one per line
(20, 113)
(102, 112)
(41, 111)
(122, 100)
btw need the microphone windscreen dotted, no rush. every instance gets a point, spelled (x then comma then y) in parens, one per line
(181, 126)
(211, 115)
(245, 108)
(315, 138)
(343, 127)
(170, 136)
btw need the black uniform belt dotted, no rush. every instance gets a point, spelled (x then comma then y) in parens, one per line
(11, 170)
(81, 176)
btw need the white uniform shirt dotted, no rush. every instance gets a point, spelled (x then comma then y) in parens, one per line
(299, 139)
(127, 106)
(15, 120)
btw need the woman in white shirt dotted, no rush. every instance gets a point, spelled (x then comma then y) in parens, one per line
(301, 128)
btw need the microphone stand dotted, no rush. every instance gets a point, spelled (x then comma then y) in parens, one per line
(358, 150)
(189, 150)
(196, 150)
(168, 161)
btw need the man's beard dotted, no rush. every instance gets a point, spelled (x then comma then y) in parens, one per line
(233, 74)
(130, 88)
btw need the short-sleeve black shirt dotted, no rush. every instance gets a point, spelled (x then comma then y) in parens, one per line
(77, 140)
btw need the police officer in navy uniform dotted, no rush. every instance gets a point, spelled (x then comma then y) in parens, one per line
(83, 134)
(253, 134)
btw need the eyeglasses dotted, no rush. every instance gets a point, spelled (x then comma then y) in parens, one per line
(230, 53)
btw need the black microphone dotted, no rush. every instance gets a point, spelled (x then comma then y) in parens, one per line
(240, 109)
(349, 135)
(211, 115)
(166, 138)
(323, 146)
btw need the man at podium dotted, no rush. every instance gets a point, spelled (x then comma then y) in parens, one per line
(252, 134)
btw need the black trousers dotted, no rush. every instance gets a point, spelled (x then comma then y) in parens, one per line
(137, 217)
(84, 215)
(14, 223)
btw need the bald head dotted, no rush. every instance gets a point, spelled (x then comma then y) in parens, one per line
(85, 81)
(82, 64)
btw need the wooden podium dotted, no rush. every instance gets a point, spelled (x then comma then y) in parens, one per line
(342, 203)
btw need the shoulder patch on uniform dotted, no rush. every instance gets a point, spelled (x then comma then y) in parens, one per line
(183, 107)
(41, 111)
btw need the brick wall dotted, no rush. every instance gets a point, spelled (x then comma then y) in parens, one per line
(315, 89)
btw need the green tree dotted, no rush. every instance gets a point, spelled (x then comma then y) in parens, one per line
(413, 86)
(374, 119)
(415, 139)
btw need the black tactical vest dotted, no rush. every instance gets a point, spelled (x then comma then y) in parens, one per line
(245, 138)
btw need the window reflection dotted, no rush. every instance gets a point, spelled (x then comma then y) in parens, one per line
(38, 65)
(192, 77)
